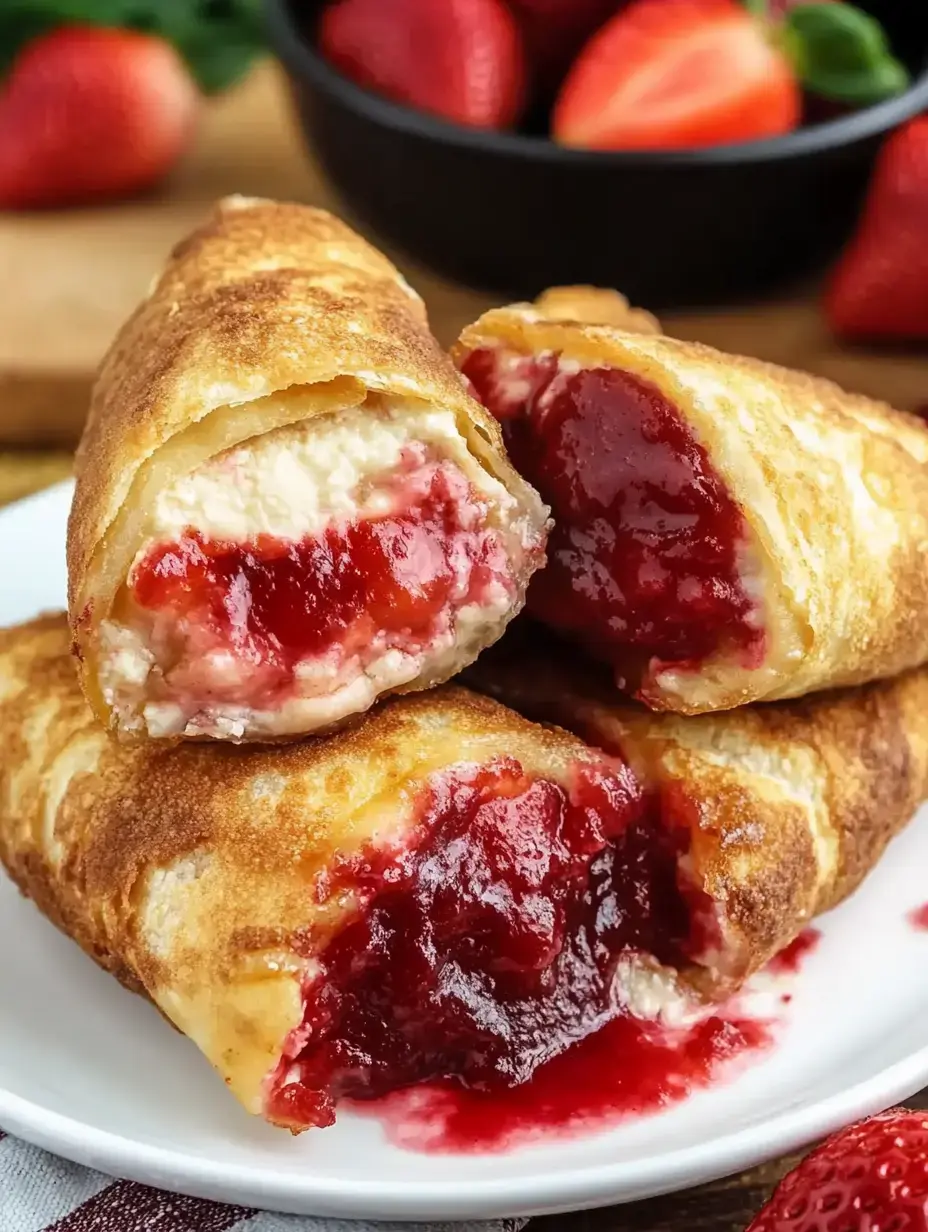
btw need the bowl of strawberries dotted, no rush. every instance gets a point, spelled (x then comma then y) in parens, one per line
(688, 151)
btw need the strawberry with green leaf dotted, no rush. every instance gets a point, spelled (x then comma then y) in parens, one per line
(672, 74)
(217, 39)
(90, 114)
(99, 98)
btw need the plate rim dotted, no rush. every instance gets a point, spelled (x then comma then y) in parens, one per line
(537, 1194)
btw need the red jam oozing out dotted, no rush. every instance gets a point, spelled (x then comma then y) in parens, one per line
(919, 917)
(627, 1068)
(643, 560)
(487, 948)
(275, 602)
(791, 958)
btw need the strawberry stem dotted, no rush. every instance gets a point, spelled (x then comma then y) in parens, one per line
(841, 53)
(837, 51)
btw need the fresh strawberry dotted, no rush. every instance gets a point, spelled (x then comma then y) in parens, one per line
(89, 113)
(665, 74)
(461, 59)
(555, 30)
(880, 286)
(872, 1177)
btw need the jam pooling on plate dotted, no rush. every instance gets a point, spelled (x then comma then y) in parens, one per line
(625, 1069)
(358, 588)
(792, 956)
(643, 562)
(919, 918)
(489, 946)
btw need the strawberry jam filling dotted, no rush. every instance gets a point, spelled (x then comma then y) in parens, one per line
(490, 943)
(253, 623)
(645, 563)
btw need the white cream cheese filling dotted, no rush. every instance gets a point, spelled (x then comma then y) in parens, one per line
(294, 482)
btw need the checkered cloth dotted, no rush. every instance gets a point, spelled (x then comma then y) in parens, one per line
(40, 1193)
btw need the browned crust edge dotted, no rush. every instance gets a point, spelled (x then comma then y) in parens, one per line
(790, 805)
(190, 872)
(833, 486)
(264, 296)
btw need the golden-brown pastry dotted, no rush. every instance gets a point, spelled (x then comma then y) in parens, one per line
(725, 531)
(335, 917)
(287, 505)
(780, 811)
(595, 306)
(446, 889)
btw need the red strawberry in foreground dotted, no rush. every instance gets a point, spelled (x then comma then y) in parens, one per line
(89, 113)
(555, 30)
(461, 59)
(666, 74)
(880, 286)
(871, 1177)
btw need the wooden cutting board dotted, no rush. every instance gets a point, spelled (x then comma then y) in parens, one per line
(70, 278)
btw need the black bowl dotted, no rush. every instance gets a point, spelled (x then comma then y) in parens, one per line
(512, 214)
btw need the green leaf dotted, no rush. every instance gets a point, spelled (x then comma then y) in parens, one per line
(218, 38)
(18, 27)
(842, 54)
(757, 8)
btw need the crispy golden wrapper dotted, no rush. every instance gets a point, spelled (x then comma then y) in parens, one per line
(425, 889)
(830, 489)
(787, 807)
(278, 361)
(217, 879)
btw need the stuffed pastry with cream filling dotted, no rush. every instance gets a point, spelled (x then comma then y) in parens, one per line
(286, 504)
(778, 811)
(725, 531)
(445, 890)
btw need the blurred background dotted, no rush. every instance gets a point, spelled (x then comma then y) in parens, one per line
(754, 170)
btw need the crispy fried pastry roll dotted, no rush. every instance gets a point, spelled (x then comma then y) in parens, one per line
(726, 531)
(411, 897)
(774, 813)
(287, 505)
(446, 889)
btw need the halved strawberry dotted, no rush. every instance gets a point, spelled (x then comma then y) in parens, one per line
(667, 74)
(461, 59)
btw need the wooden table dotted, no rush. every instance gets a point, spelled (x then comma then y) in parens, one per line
(68, 280)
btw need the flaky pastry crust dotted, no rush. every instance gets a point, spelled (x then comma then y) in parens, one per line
(189, 872)
(789, 806)
(833, 488)
(595, 306)
(264, 297)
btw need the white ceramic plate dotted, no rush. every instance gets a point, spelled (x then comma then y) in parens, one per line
(91, 1072)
